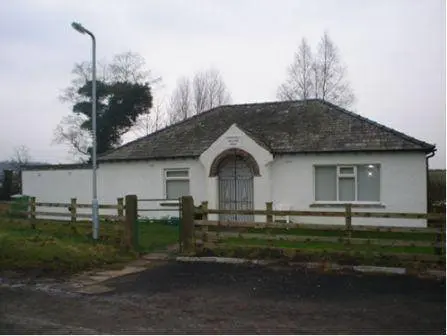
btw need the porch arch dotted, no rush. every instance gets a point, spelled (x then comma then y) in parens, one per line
(231, 153)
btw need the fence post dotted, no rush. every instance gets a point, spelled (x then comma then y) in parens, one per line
(439, 238)
(269, 208)
(348, 221)
(73, 210)
(33, 212)
(205, 210)
(120, 202)
(204, 228)
(187, 225)
(130, 226)
(73, 214)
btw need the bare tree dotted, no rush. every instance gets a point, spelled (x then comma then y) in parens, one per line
(299, 83)
(209, 90)
(125, 67)
(181, 102)
(69, 131)
(131, 67)
(331, 74)
(321, 75)
(151, 122)
(21, 155)
(206, 91)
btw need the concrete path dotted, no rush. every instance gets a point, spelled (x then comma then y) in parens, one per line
(91, 282)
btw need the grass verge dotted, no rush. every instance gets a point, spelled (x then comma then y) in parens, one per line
(346, 257)
(335, 252)
(58, 248)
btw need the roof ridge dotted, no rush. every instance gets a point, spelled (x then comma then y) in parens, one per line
(375, 123)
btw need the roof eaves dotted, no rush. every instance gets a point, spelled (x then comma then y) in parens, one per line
(377, 150)
(149, 158)
(67, 166)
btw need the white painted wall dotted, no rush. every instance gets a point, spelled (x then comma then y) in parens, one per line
(144, 179)
(285, 180)
(58, 186)
(403, 185)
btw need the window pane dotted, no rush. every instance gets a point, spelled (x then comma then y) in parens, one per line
(346, 170)
(346, 189)
(325, 183)
(368, 179)
(177, 173)
(177, 188)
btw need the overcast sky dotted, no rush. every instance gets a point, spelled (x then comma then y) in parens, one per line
(394, 50)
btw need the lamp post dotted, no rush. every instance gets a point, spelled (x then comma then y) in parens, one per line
(95, 220)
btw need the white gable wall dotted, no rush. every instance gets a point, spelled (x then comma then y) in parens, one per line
(402, 185)
(234, 137)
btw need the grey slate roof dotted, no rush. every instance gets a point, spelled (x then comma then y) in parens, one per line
(280, 127)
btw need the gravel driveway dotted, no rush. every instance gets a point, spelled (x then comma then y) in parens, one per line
(218, 298)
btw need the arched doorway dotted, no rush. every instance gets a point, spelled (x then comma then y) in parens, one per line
(235, 170)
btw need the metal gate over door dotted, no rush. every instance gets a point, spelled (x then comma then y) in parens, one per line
(235, 188)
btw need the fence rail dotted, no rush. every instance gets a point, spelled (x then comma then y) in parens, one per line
(125, 217)
(282, 213)
(407, 243)
(157, 200)
(324, 227)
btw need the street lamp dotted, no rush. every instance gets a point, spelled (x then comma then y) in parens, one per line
(95, 217)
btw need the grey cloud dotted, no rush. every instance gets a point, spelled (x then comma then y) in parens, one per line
(394, 50)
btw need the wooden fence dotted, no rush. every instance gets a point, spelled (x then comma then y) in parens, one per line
(196, 234)
(72, 210)
(125, 217)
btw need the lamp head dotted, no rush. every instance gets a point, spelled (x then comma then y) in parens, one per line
(78, 27)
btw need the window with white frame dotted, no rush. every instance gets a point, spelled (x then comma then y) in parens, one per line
(347, 183)
(176, 183)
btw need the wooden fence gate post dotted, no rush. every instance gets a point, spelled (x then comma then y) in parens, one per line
(120, 202)
(33, 212)
(73, 214)
(205, 210)
(130, 224)
(187, 225)
(348, 222)
(269, 208)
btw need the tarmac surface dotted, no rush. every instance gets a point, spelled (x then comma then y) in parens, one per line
(203, 298)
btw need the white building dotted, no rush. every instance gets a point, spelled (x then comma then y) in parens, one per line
(300, 155)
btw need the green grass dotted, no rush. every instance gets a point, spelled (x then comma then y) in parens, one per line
(355, 234)
(155, 235)
(327, 246)
(408, 236)
(57, 247)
